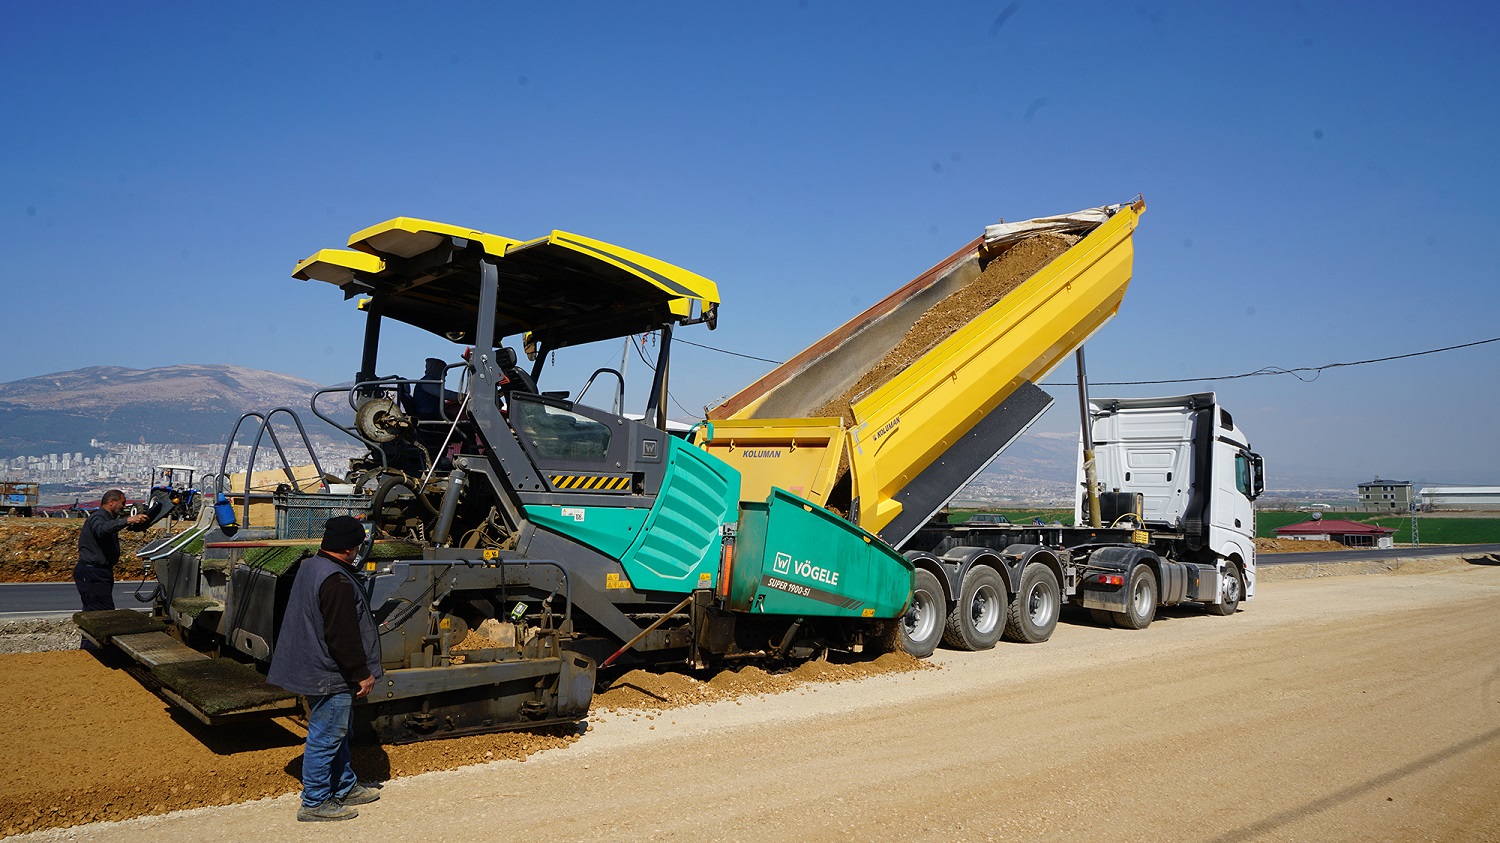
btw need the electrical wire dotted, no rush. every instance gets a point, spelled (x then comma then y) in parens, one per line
(730, 353)
(1297, 372)
(639, 352)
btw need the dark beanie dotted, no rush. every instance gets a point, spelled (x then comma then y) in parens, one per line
(342, 532)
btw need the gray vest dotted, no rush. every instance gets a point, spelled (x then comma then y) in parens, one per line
(302, 663)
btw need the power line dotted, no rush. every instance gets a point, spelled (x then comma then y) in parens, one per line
(730, 353)
(1296, 372)
(639, 352)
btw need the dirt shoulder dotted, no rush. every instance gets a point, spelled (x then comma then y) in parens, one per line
(1341, 708)
(46, 549)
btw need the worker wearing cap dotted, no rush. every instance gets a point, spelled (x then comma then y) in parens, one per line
(99, 551)
(328, 650)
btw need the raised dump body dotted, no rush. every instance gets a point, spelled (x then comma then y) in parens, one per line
(891, 414)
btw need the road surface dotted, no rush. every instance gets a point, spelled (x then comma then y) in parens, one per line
(1371, 554)
(60, 599)
(1337, 708)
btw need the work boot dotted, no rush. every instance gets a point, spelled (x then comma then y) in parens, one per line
(359, 795)
(326, 812)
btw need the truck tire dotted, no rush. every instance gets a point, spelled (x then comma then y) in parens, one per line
(978, 616)
(921, 628)
(1231, 591)
(1140, 610)
(1034, 610)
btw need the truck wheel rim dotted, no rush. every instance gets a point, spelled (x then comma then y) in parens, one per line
(1039, 606)
(922, 618)
(984, 610)
(1231, 589)
(1142, 599)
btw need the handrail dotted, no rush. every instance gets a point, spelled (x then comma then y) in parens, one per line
(265, 427)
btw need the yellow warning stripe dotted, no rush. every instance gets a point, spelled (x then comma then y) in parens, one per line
(591, 482)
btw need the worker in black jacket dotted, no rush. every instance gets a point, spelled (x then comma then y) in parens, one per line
(99, 551)
(328, 650)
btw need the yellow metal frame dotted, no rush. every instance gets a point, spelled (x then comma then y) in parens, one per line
(799, 455)
(408, 236)
(673, 280)
(646, 292)
(337, 266)
(903, 426)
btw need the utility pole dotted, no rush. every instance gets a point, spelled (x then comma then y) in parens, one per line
(1415, 541)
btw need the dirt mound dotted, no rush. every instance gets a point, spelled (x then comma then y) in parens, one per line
(647, 690)
(112, 750)
(108, 749)
(943, 319)
(46, 549)
(1296, 545)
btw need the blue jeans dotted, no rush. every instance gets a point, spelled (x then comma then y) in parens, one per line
(326, 771)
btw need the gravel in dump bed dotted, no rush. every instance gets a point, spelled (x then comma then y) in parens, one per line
(1003, 274)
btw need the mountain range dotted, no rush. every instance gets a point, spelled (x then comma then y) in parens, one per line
(199, 404)
(187, 403)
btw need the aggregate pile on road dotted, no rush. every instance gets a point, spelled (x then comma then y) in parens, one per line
(1003, 274)
(648, 690)
(46, 549)
(1297, 545)
(112, 750)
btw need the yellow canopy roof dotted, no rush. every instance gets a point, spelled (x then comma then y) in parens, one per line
(565, 289)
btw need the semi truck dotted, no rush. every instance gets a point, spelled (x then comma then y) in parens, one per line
(522, 540)
(1165, 485)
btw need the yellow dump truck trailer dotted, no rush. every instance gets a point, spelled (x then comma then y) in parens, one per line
(907, 443)
(889, 416)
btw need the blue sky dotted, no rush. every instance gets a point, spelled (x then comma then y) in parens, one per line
(1319, 181)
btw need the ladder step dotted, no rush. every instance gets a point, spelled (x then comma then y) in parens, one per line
(156, 648)
(218, 690)
(102, 626)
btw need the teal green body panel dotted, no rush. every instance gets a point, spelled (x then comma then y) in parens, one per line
(793, 557)
(609, 530)
(677, 548)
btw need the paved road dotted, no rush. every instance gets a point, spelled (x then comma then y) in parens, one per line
(32, 600)
(1371, 554)
(59, 599)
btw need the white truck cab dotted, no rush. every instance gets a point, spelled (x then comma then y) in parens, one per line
(1192, 468)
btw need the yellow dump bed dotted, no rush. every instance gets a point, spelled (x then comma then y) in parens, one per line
(914, 431)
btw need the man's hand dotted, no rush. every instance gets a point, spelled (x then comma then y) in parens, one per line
(138, 518)
(366, 685)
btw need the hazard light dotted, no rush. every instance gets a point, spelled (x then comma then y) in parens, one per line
(1111, 579)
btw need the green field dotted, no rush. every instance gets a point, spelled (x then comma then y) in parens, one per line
(1429, 530)
(1017, 516)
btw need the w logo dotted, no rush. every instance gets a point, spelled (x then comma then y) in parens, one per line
(782, 564)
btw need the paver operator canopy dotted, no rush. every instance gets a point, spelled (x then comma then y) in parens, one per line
(562, 289)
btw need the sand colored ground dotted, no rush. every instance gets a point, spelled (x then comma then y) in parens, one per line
(1344, 708)
(103, 727)
(1337, 708)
